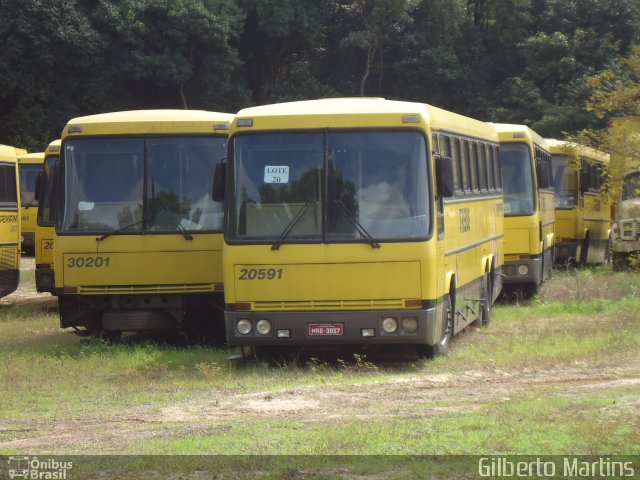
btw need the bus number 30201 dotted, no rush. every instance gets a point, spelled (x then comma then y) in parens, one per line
(87, 262)
(260, 274)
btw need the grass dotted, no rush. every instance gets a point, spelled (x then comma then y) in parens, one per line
(495, 393)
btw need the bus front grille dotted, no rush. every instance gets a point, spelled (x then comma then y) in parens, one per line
(146, 289)
(386, 304)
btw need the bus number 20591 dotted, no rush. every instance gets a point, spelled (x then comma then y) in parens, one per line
(260, 274)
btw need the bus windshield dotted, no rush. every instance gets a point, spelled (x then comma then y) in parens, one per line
(45, 212)
(8, 188)
(28, 173)
(517, 179)
(141, 184)
(564, 182)
(330, 187)
(631, 186)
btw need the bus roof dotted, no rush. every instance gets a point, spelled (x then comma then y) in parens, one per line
(8, 153)
(556, 148)
(357, 113)
(508, 132)
(31, 158)
(53, 148)
(149, 121)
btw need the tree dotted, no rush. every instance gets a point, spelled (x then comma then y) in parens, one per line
(615, 99)
(49, 51)
(278, 40)
(172, 53)
(377, 22)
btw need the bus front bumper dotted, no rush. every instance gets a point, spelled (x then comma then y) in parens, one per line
(522, 271)
(45, 280)
(331, 327)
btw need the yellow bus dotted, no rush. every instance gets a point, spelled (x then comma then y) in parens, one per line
(583, 214)
(625, 237)
(29, 166)
(9, 220)
(45, 229)
(529, 208)
(359, 222)
(138, 237)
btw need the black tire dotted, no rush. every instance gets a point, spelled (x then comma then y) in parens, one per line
(608, 253)
(620, 262)
(584, 252)
(487, 296)
(109, 336)
(442, 346)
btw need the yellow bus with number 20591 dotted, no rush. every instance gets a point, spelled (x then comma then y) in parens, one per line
(138, 243)
(359, 222)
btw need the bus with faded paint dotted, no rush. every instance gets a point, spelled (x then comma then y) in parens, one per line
(138, 237)
(359, 222)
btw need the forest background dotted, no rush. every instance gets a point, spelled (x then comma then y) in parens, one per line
(520, 61)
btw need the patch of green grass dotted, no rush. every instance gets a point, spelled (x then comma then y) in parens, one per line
(53, 376)
(542, 421)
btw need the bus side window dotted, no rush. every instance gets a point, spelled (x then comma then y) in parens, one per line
(496, 167)
(446, 151)
(491, 181)
(471, 166)
(465, 184)
(482, 167)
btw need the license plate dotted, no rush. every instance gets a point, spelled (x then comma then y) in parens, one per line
(326, 329)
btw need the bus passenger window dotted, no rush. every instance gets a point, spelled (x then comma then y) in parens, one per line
(471, 166)
(497, 171)
(491, 183)
(445, 151)
(482, 166)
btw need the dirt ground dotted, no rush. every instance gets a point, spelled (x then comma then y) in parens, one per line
(464, 391)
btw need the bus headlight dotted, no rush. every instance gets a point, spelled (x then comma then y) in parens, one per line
(263, 327)
(523, 270)
(389, 324)
(244, 326)
(410, 324)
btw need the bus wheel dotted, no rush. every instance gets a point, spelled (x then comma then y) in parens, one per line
(486, 296)
(584, 251)
(442, 346)
(608, 253)
(109, 336)
(620, 261)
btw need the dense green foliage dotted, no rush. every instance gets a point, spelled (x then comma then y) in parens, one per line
(522, 61)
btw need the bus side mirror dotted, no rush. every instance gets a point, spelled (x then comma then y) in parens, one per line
(444, 176)
(219, 176)
(36, 193)
(542, 172)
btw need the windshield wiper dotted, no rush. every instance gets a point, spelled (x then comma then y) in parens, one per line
(30, 202)
(294, 221)
(354, 221)
(174, 219)
(172, 215)
(108, 234)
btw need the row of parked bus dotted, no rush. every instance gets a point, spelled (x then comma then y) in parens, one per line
(323, 222)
